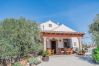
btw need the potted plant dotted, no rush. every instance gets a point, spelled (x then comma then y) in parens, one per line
(81, 52)
(33, 61)
(45, 56)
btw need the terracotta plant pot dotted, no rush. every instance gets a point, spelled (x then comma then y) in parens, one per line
(46, 58)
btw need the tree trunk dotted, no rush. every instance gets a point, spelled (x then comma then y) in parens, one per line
(4, 62)
(30, 64)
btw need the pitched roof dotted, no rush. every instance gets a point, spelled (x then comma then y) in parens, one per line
(55, 27)
(49, 22)
(63, 28)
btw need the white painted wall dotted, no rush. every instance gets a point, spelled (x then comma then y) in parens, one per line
(45, 26)
(75, 40)
(44, 43)
(60, 43)
(48, 43)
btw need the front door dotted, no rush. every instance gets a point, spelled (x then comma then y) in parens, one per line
(53, 46)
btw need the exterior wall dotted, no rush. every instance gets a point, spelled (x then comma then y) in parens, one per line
(48, 43)
(60, 43)
(75, 43)
(45, 43)
(45, 26)
(80, 43)
(74, 40)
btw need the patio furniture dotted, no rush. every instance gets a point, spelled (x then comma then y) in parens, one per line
(58, 52)
(50, 51)
(69, 51)
(62, 51)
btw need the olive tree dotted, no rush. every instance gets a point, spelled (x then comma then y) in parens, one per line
(94, 30)
(18, 37)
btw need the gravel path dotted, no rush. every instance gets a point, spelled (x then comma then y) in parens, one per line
(68, 60)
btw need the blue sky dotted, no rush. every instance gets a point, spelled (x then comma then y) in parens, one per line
(77, 14)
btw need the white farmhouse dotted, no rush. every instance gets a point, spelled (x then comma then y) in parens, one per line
(58, 37)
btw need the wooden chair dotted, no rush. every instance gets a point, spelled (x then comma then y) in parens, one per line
(50, 51)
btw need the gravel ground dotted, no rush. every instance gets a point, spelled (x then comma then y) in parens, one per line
(69, 60)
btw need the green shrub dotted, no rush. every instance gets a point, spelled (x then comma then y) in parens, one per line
(45, 53)
(17, 64)
(95, 55)
(34, 61)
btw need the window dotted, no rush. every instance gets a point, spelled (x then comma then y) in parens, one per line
(74, 43)
(50, 25)
(67, 43)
